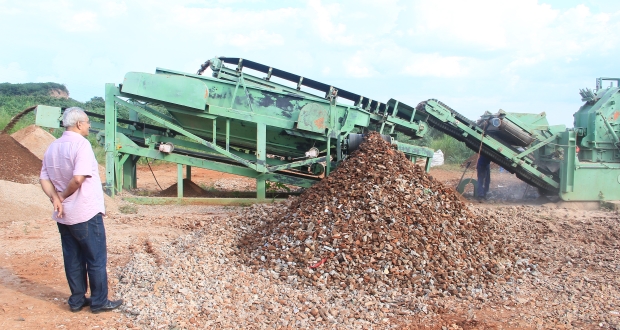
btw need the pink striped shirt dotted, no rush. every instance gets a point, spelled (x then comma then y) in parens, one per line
(72, 155)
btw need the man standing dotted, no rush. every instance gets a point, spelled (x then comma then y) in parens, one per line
(484, 175)
(70, 178)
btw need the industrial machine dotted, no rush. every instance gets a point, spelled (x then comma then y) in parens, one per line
(239, 123)
(577, 164)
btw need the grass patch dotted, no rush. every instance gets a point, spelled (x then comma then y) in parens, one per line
(128, 209)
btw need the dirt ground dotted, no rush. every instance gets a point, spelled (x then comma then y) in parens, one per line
(33, 288)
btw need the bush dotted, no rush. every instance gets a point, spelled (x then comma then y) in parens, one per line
(454, 152)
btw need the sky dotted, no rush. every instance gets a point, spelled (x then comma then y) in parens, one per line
(477, 55)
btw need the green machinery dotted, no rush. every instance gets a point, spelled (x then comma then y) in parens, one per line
(243, 124)
(239, 123)
(578, 164)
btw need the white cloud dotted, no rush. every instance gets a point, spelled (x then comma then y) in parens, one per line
(358, 67)
(478, 47)
(113, 9)
(435, 65)
(321, 19)
(485, 24)
(13, 73)
(9, 11)
(84, 21)
(255, 40)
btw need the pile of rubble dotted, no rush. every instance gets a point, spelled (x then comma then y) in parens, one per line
(379, 222)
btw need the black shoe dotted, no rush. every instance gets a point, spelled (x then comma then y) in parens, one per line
(110, 305)
(87, 302)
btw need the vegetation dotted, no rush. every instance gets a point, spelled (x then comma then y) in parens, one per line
(31, 89)
(454, 152)
(128, 209)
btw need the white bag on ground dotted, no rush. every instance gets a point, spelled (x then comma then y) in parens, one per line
(437, 158)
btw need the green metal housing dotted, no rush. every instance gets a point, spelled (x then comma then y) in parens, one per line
(577, 164)
(237, 123)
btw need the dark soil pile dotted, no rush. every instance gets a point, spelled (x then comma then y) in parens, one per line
(380, 221)
(190, 189)
(17, 164)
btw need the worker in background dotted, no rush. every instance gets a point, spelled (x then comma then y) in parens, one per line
(70, 178)
(484, 175)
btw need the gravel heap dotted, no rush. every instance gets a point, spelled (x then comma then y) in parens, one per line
(198, 281)
(380, 222)
(18, 163)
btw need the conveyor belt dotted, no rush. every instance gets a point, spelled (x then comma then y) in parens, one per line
(473, 143)
(358, 99)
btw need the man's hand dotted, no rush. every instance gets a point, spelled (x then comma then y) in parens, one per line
(57, 203)
(50, 191)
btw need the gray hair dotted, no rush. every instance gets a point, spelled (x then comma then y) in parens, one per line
(72, 115)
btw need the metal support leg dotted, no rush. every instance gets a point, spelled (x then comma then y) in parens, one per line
(214, 131)
(261, 147)
(261, 159)
(180, 180)
(260, 187)
(227, 134)
(339, 149)
(328, 159)
(188, 172)
(129, 173)
(110, 139)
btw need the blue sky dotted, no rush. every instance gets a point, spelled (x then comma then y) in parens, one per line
(475, 55)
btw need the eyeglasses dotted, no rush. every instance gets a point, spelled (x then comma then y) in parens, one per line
(84, 121)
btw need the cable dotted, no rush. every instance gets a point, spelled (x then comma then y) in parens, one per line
(479, 151)
(147, 163)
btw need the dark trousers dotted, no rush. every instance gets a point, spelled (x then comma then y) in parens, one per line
(484, 180)
(85, 255)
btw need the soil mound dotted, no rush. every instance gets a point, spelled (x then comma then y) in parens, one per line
(380, 222)
(18, 163)
(35, 139)
(190, 189)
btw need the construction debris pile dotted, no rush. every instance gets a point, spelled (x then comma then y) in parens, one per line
(380, 222)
